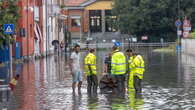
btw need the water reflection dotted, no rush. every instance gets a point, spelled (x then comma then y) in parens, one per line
(92, 102)
(118, 104)
(188, 63)
(76, 101)
(135, 101)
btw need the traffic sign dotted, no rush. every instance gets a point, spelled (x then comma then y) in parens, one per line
(8, 28)
(185, 34)
(179, 32)
(144, 37)
(186, 25)
(178, 23)
(187, 28)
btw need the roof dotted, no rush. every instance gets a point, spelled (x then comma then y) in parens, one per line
(88, 2)
(72, 3)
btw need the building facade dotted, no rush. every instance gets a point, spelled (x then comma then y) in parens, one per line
(38, 26)
(89, 16)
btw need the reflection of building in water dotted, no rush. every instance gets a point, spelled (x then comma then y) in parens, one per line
(188, 60)
(26, 87)
(188, 64)
(4, 97)
(188, 46)
(4, 92)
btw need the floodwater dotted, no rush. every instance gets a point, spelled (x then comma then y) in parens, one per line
(45, 84)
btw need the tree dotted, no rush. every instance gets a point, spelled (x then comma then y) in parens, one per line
(155, 18)
(8, 15)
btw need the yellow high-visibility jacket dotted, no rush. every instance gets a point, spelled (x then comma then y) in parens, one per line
(90, 60)
(137, 66)
(118, 63)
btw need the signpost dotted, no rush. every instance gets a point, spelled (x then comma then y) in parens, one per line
(186, 27)
(178, 24)
(144, 37)
(8, 29)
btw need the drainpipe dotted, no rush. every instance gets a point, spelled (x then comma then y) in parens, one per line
(46, 16)
(27, 10)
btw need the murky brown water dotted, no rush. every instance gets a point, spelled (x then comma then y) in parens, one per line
(169, 84)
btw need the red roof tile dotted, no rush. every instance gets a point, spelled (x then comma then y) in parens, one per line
(74, 2)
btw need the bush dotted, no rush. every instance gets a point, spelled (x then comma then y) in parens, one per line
(192, 35)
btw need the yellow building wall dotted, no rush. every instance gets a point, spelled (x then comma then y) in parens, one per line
(100, 5)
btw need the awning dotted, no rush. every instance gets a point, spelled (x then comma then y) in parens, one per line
(100, 5)
(38, 34)
(75, 17)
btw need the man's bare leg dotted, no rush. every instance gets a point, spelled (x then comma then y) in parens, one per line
(79, 87)
(73, 86)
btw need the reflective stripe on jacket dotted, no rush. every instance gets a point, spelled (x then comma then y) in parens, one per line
(118, 63)
(137, 66)
(90, 62)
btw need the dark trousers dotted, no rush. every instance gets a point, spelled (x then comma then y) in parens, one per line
(120, 80)
(92, 84)
(137, 84)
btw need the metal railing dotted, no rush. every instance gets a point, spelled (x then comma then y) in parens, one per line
(4, 87)
(109, 45)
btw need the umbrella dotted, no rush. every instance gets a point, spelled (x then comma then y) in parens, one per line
(55, 42)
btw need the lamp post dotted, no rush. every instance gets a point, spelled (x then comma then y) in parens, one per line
(129, 39)
(27, 29)
(178, 26)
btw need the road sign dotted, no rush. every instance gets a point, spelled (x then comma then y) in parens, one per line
(185, 34)
(144, 37)
(186, 25)
(179, 32)
(8, 28)
(134, 39)
(178, 23)
(187, 28)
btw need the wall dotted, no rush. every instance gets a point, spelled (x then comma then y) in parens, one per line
(100, 5)
(26, 21)
(188, 46)
(74, 13)
(40, 5)
(86, 21)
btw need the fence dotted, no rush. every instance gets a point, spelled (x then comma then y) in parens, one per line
(109, 45)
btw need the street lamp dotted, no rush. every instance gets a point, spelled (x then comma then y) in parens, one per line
(178, 27)
(129, 42)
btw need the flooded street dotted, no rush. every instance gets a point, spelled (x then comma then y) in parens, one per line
(45, 84)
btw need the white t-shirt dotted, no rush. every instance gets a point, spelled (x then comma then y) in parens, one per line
(76, 62)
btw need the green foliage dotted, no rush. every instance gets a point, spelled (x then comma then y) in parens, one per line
(192, 35)
(155, 18)
(8, 15)
(62, 6)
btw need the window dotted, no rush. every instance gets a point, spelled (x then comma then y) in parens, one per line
(76, 22)
(110, 21)
(36, 13)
